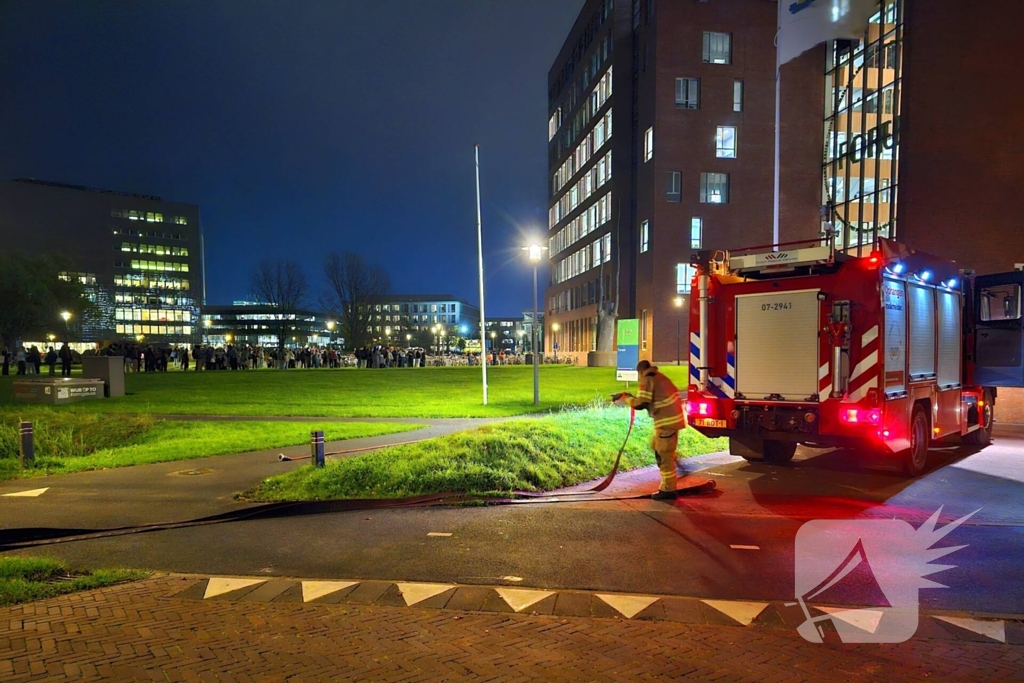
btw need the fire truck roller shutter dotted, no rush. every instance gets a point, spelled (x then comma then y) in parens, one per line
(777, 344)
(894, 302)
(922, 331)
(950, 336)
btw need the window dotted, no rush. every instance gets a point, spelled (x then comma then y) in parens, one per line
(674, 181)
(696, 232)
(725, 142)
(1000, 302)
(645, 236)
(737, 95)
(180, 220)
(717, 48)
(643, 329)
(649, 144)
(684, 278)
(687, 93)
(714, 188)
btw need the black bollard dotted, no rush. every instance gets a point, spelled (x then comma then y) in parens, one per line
(28, 451)
(316, 446)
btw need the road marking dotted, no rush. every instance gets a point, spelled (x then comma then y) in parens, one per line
(743, 612)
(512, 578)
(520, 598)
(745, 547)
(864, 619)
(442, 534)
(996, 630)
(218, 586)
(311, 590)
(34, 493)
(628, 605)
(414, 593)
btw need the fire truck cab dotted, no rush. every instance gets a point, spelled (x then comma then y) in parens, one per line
(800, 344)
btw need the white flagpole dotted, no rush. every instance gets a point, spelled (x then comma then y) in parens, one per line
(480, 259)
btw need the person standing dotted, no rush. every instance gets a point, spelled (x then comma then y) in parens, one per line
(184, 359)
(65, 360)
(51, 360)
(35, 358)
(5, 357)
(661, 399)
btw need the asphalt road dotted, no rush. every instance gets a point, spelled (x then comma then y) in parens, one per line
(737, 543)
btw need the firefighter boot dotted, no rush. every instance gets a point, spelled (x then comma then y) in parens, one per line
(665, 443)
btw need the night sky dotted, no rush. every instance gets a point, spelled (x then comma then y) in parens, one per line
(300, 127)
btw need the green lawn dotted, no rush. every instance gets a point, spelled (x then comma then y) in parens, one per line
(23, 579)
(75, 442)
(536, 454)
(399, 392)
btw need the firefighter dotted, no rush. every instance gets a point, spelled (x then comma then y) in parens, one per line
(660, 397)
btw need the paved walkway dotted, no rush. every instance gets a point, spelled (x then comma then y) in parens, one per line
(147, 631)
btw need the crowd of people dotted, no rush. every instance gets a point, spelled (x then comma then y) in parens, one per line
(30, 360)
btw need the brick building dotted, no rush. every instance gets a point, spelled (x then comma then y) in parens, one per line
(661, 142)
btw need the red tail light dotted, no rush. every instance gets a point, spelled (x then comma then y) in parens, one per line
(698, 408)
(854, 416)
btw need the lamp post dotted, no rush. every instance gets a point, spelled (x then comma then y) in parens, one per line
(554, 339)
(441, 332)
(408, 341)
(330, 332)
(387, 338)
(67, 328)
(535, 252)
(679, 310)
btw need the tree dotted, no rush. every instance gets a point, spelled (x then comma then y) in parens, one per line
(33, 291)
(283, 285)
(351, 284)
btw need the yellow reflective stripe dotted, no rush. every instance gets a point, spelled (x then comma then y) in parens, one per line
(665, 402)
(644, 396)
(664, 422)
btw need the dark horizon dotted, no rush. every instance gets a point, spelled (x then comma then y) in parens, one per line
(300, 131)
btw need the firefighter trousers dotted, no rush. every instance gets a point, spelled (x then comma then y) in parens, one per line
(664, 444)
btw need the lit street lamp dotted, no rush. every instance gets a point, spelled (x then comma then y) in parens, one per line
(535, 251)
(67, 329)
(387, 339)
(554, 339)
(679, 310)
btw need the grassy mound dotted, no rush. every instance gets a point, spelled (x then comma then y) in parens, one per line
(68, 442)
(541, 454)
(23, 579)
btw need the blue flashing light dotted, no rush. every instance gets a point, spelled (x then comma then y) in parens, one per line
(925, 276)
(898, 268)
(953, 282)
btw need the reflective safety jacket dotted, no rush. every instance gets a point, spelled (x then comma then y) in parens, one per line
(661, 398)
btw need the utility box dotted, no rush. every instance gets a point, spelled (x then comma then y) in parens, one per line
(57, 390)
(110, 369)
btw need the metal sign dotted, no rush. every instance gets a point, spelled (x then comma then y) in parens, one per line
(628, 354)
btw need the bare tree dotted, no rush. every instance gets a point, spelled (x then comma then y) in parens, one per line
(283, 285)
(351, 283)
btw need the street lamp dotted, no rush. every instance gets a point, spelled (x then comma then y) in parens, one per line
(408, 341)
(441, 332)
(554, 339)
(535, 252)
(387, 333)
(679, 310)
(67, 329)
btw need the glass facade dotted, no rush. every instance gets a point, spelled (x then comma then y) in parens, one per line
(862, 126)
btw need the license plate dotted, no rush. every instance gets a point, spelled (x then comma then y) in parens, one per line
(708, 422)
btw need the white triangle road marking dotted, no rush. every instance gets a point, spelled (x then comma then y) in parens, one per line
(311, 590)
(628, 605)
(414, 593)
(743, 612)
(996, 630)
(864, 619)
(521, 598)
(34, 493)
(220, 586)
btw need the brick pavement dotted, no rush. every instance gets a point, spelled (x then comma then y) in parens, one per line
(148, 631)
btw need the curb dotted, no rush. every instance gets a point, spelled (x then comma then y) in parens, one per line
(932, 625)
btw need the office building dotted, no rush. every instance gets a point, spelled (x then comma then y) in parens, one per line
(255, 324)
(140, 257)
(661, 144)
(403, 314)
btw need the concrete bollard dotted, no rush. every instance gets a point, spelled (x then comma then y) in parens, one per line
(316, 447)
(28, 451)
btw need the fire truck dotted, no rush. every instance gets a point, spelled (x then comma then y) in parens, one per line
(799, 343)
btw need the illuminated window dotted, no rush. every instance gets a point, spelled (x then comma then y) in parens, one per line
(737, 95)
(725, 142)
(717, 48)
(649, 144)
(645, 236)
(684, 278)
(696, 232)
(674, 182)
(714, 188)
(687, 93)
(180, 220)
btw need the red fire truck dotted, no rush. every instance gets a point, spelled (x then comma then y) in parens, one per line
(800, 344)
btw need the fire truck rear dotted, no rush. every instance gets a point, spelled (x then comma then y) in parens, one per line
(800, 344)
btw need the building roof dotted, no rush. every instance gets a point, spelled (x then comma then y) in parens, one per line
(401, 298)
(66, 186)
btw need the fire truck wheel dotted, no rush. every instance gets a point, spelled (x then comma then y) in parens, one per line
(778, 452)
(982, 437)
(917, 457)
